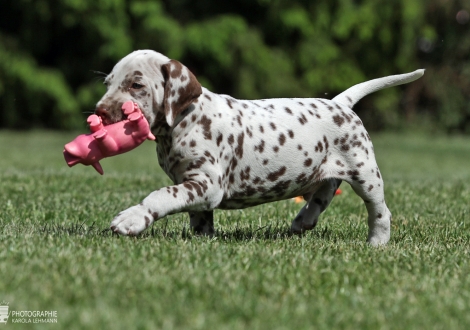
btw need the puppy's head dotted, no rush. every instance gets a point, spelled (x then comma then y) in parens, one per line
(162, 88)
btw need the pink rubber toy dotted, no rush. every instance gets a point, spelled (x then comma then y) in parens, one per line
(110, 140)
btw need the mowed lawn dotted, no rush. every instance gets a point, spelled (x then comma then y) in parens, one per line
(57, 254)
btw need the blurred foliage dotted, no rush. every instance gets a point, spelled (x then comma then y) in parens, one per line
(50, 49)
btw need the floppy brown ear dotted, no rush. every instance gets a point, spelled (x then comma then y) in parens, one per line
(181, 89)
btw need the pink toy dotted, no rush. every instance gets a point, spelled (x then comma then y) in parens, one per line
(110, 140)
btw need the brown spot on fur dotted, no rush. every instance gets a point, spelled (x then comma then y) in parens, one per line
(209, 155)
(273, 176)
(281, 186)
(147, 221)
(302, 119)
(319, 147)
(233, 163)
(190, 196)
(239, 148)
(219, 139)
(231, 139)
(338, 120)
(325, 140)
(353, 173)
(245, 174)
(282, 139)
(260, 147)
(206, 126)
(195, 164)
(302, 178)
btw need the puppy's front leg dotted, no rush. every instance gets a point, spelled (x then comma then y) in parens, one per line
(190, 196)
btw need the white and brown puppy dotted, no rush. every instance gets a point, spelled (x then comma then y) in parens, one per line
(226, 153)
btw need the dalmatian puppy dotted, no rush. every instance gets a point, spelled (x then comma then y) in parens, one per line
(225, 153)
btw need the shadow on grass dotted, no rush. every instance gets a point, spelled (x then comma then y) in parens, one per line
(74, 229)
(268, 232)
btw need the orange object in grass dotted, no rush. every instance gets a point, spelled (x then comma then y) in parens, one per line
(300, 199)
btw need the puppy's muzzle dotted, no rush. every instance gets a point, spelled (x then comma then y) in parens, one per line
(107, 116)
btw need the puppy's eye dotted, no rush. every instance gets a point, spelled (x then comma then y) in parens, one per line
(136, 86)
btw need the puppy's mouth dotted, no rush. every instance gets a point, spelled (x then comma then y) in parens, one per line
(108, 118)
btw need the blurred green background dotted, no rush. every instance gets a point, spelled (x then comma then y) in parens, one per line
(50, 52)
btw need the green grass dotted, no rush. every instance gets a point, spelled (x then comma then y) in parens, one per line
(57, 254)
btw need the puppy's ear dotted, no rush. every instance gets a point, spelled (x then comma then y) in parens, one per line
(181, 89)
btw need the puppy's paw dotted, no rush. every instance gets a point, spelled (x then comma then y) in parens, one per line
(132, 221)
(302, 224)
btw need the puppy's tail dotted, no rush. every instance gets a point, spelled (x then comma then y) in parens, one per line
(353, 94)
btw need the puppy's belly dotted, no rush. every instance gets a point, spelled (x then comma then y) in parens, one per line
(255, 196)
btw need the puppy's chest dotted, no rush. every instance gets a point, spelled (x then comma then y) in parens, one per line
(164, 153)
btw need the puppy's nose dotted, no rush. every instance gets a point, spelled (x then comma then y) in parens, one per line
(103, 112)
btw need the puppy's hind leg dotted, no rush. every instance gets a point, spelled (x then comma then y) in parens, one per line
(202, 223)
(317, 202)
(369, 186)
